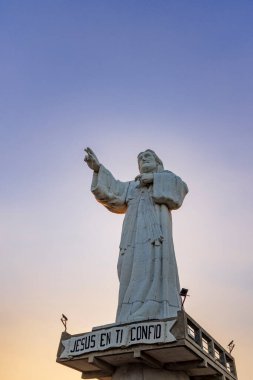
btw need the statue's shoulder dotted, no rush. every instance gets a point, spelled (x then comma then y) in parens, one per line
(172, 176)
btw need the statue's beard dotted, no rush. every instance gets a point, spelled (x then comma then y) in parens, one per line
(148, 168)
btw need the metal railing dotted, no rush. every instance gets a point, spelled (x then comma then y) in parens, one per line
(209, 345)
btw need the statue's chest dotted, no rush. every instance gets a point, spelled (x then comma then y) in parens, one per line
(137, 194)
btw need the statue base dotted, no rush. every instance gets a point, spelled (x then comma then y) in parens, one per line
(143, 372)
(173, 349)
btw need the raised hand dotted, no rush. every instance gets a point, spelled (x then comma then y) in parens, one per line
(91, 160)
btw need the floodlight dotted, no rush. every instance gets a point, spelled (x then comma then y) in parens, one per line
(183, 293)
(231, 346)
(64, 321)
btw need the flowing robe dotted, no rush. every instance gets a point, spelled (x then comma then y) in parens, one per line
(147, 268)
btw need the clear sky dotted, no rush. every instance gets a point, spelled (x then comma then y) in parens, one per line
(121, 76)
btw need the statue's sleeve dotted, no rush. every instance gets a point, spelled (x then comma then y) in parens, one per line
(109, 191)
(169, 189)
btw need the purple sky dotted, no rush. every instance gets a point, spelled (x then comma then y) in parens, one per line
(174, 76)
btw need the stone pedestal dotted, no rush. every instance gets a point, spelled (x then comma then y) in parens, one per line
(143, 372)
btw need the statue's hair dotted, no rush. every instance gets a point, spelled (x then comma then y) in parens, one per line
(158, 160)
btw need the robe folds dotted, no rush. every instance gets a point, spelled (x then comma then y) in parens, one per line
(147, 268)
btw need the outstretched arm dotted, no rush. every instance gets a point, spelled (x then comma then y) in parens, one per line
(91, 160)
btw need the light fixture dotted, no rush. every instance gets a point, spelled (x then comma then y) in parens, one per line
(231, 346)
(183, 293)
(64, 321)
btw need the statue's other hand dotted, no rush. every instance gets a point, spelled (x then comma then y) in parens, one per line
(146, 178)
(91, 160)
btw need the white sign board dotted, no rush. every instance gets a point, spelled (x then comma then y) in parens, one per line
(119, 336)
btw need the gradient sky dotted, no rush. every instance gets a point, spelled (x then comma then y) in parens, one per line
(121, 76)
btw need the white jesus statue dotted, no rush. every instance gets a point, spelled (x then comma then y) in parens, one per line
(147, 268)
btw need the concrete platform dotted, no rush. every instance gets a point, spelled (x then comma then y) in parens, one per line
(193, 352)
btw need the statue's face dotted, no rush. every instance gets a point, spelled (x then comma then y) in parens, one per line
(147, 162)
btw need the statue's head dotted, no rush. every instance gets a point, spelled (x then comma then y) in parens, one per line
(149, 162)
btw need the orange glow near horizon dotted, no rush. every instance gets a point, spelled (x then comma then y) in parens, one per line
(121, 77)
